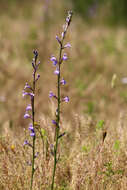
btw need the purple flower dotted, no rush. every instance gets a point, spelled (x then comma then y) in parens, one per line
(38, 63)
(53, 59)
(54, 122)
(51, 94)
(25, 142)
(65, 57)
(28, 107)
(24, 93)
(38, 76)
(32, 134)
(67, 19)
(32, 130)
(26, 116)
(35, 54)
(63, 82)
(28, 93)
(56, 72)
(63, 34)
(27, 86)
(66, 99)
(68, 45)
(57, 38)
(31, 127)
(36, 155)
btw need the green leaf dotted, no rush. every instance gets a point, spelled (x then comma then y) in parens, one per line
(116, 145)
(36, 124)
(43, 132)
(85, 148)
(100, 124)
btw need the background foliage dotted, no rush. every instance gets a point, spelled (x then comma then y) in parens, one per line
(115, 11)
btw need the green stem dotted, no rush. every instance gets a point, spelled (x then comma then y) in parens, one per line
(34, 137)
(57, 130)
(33, 159)
(58, 120)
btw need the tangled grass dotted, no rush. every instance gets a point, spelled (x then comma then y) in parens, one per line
(86, 162)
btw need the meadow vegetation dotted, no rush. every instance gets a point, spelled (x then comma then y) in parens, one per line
(93, 153)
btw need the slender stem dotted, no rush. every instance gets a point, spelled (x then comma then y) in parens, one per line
(33, 157)
(57, 130)
(34, 137)
(58, 118)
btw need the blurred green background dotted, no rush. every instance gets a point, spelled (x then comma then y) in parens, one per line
(98, 51)
(110, 11)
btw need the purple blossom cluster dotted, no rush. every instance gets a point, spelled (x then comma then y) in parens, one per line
(62, 58)
(58, 62)
(30, 91)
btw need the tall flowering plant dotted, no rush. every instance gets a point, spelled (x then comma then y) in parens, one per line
(30, 90)
(60, 81)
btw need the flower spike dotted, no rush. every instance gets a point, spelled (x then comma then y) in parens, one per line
(60, 81)
(30, 111)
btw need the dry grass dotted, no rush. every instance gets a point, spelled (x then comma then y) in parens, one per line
(86, 162)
